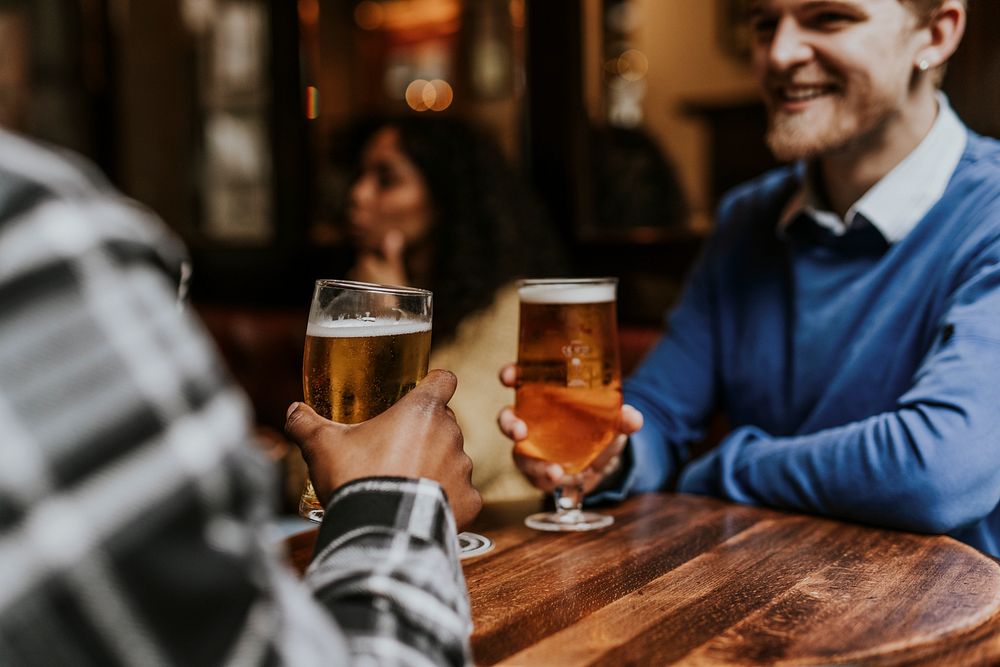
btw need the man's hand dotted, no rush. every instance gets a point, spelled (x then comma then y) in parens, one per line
(416, 437)
(384, 266)
(547, 476)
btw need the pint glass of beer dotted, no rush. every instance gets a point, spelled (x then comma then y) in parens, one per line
(569, 385)
(366, 346)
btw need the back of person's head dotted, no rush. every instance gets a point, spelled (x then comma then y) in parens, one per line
(635, 184)
(488, 228)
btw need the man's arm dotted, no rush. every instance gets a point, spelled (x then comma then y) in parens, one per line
(932, 464)
(386, 567)
(675, 391)
(386, 557)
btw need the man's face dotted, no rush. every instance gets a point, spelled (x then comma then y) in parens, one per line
(834, 73)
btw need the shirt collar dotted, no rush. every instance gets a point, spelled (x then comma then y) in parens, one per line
(902, 197)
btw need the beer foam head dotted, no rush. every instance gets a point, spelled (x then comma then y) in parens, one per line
(368, 327)
(567, 293)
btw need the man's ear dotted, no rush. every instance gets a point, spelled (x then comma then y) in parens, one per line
(946, 28)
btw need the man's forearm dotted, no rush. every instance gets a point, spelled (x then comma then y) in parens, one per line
(386, 567)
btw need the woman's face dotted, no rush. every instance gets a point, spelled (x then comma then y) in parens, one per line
(390, 193)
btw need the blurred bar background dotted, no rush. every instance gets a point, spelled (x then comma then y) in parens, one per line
(223, 116)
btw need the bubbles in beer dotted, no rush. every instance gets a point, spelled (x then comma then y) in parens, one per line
(354, 369)
(569, 391)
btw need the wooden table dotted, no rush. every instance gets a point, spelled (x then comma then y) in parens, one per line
(694, 580)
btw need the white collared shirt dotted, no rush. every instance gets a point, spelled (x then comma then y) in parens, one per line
(902, 197)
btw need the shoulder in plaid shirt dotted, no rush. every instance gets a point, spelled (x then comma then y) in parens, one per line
(133, 506)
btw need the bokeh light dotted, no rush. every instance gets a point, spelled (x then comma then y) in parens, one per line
(632, 65)
(443, 95)
(415, 93)
(312, 102)
(423, 95)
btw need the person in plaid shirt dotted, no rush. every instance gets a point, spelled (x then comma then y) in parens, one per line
(133, 505)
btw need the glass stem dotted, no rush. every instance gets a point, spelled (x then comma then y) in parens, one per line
(569, 501)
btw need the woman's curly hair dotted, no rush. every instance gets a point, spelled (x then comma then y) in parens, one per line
(488, 230)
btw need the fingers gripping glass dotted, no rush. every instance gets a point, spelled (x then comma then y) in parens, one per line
(366, 346)
(569, 386)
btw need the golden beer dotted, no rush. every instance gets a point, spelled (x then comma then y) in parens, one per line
(353, 370)
(569, 383)
(352, 373)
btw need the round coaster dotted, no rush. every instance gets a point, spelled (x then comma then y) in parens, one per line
(473, 544)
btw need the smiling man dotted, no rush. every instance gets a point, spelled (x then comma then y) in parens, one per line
(846, 313)
(850, 84)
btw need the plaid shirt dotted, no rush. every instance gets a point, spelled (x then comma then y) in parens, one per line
(133, 509)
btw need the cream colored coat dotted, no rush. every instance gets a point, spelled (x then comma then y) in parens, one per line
(483, 343)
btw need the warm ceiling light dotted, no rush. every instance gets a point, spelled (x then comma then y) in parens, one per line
(442, 16)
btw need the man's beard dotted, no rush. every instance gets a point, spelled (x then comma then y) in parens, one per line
(797, 137)
(803, 136)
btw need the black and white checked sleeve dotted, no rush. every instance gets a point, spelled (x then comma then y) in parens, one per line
(386, 565)
(133, 506)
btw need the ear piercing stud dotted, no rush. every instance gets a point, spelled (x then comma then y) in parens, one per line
(923, 65)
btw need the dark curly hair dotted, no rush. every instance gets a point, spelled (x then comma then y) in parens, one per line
(489, 228)
(635, 184)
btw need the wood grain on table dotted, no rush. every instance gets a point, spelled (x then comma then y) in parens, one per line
(693, 580)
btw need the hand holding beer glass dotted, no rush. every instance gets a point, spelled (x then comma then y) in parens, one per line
(568, 388)
(366, 346)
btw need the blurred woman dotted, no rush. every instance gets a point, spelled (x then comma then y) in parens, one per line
(436, 205)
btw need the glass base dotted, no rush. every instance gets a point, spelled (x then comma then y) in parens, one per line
(469, 544)
(312, 514)
(473, 544)
(573, 520)
(309, 506)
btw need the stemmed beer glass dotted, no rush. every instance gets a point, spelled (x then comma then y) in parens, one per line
(366, 346)
(569, 385)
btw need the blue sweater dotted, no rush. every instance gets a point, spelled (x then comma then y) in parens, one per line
(862, 379)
